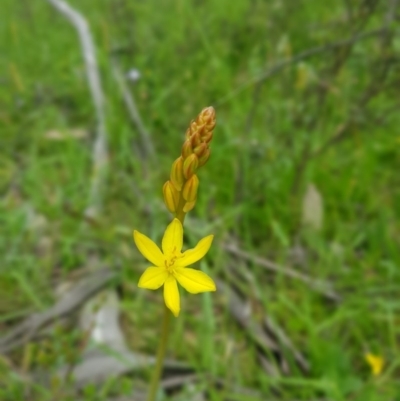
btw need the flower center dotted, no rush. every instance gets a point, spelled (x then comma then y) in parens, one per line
(170, 260)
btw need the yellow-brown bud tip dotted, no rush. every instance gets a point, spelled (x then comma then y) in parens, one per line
(177, 177)
(195, 139)
(200, 150)
(190, 166)
(171, 196)
(190, 188)
(207, 137)
(207, 118)
(204, 157)
(208, 113)
(189, 206)
(187, 149)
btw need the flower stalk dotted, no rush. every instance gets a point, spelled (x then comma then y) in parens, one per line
(162, 347)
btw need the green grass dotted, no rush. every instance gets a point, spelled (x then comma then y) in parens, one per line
(191, 55)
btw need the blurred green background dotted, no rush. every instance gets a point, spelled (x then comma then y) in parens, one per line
(304, 173)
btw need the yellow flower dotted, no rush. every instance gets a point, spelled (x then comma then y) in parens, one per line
(375, 362)
(169, 266)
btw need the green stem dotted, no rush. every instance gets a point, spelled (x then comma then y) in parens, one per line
(160, 355)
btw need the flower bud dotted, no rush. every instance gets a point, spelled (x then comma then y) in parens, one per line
(193, 128)
(171, 196)
(189, 206)
(207, 117)
(177, 177)
(200, 150)
(190, 188)
(207, 137)
(195, 139)
(203, 159)
(190, 165)
(187, 149)
(201, 130)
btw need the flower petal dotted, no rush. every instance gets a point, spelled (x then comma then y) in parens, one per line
(173, 237)
(148, 249)
(171, 295)
(193, 255)
(194, 281)
(153, 278)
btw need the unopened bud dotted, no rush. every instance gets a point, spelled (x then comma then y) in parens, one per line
(177, 177)
(201, 129)
(193, 128)
(200, 150)
(190, 165)
(189, 206)
(171, 196)
(207, 137)
(203, 159)
(190, 188)
(207, 117)
(187, 149)
(188, 133)
(195, 139)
